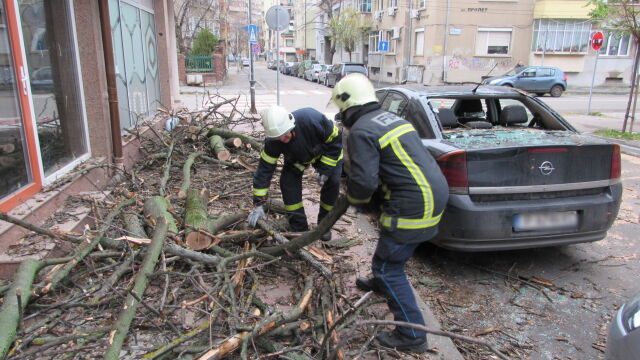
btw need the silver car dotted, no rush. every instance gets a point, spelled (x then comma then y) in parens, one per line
(311, 74)
(623, 342)
(322, 77)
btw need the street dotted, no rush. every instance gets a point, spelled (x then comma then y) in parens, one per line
(547, 303)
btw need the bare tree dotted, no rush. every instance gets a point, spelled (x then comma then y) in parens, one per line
(189, 15)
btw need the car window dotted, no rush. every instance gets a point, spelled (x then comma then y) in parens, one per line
(380, 95)
(395, 103)
(545, 72)
(354, 68)
(336, 68)
(530, 72)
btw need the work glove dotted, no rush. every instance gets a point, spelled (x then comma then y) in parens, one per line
(321, 179)
(256, 214)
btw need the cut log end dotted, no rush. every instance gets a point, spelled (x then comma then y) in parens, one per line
(223, 155)
(198, 241)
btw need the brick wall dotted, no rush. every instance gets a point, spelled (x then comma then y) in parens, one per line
(182, 70)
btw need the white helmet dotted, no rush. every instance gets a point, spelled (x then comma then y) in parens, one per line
(277, 121)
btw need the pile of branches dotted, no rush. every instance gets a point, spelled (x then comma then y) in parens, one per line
(172, 271)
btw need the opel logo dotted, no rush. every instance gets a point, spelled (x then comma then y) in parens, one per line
(546, 168)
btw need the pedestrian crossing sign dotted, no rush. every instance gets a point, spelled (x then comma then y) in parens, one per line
(253, 33)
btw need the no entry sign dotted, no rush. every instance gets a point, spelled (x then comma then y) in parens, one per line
(597, 40)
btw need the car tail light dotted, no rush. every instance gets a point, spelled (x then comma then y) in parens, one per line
(454, 169)
(616, 169)
(564, 77)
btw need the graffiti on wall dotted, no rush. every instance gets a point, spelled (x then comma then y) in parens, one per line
(478, 64)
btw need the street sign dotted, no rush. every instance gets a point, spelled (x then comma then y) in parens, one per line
(255, 48)
(277, 18)
(253, 33)
(383, 46)
(597, 40)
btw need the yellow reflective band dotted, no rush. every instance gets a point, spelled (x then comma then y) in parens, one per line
(334, 134)
(417, 175)
(260, 192)
(299, 166)
(353, 200)
(293, 207)
(403, 223)
(269, 159)
(326, 206)
(394, 134)
(329, 161)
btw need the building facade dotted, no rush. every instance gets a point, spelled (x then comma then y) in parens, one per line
(56, 65)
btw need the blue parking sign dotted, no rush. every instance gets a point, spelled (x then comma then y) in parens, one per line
(383, 46)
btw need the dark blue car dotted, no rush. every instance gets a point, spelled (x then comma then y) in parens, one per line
(535, 79)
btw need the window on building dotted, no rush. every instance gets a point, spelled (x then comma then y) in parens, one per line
(288, 42)
(393, 3)
(365, 6)
(421, 4)
(374, 38)
(419, 45)
(387, 36)
(615, 44)
(380, 4)
(493, 41)
(561, 36)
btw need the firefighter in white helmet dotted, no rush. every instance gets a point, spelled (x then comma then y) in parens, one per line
(304, 137)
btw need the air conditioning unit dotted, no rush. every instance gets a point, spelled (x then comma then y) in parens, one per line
(377, 15)
(415, 14)
(396, 32)
(392, 11)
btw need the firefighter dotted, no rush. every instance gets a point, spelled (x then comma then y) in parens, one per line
(386, 152)
(305, 137)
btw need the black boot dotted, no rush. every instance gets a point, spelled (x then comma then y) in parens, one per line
(395, 340)
(367, 284)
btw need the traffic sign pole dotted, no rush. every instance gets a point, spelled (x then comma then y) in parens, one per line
(596, 43)
(277, 19)
(252, 79)
(277, 60)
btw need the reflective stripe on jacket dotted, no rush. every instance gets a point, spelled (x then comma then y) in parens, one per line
(386, 150)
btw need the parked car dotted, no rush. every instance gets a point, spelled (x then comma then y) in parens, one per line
(536, 79)
(340, 70)
(322, 77)
(311, 74)
(520, 176)
(286, 68)
(623, 342)
(294, 69)
(304, 65)
(245, 61)
(42, 80)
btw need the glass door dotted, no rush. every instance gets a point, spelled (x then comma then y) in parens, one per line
(20, 175)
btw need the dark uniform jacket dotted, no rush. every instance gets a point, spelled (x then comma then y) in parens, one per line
(316, 140)
(385, 150)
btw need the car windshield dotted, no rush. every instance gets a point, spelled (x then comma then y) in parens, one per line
(513, 72)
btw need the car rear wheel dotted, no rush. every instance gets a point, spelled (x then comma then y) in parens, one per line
(556, 90)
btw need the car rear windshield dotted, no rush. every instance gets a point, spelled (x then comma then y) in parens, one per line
(354, 68)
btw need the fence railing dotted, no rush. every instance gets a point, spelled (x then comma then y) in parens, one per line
(198, 64)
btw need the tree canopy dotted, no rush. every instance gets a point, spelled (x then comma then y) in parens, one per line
(347, 29)
(204, 43)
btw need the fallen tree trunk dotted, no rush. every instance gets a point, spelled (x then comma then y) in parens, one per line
(158, 206)
(226, 220)
(255, 143)
(121, 326)
(15, 301)
(196, 220)
(217, 146)
(133, 225)
(186, 173)
(342, 204)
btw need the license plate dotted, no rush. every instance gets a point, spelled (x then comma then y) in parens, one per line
(545, 221)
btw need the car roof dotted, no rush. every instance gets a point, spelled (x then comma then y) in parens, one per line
(351, 63)
(456, 90)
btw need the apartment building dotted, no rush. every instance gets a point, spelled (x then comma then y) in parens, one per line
(455, 41)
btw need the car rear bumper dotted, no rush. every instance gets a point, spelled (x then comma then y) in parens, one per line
(489, 226)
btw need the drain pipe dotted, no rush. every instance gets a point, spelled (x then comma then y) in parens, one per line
(114, 115)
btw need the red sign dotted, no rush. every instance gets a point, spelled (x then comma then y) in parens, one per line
(597, 40)
(255, 48)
